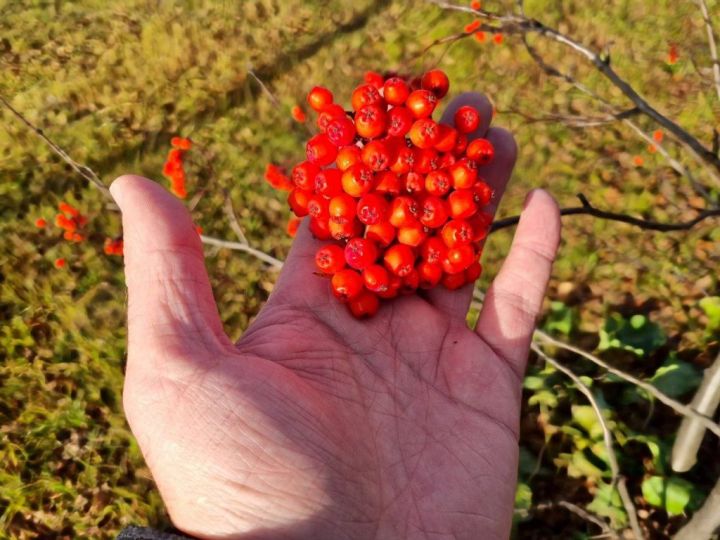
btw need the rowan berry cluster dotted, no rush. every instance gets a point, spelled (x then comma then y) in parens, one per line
(71, 221)
(174, 169)
(397, 192)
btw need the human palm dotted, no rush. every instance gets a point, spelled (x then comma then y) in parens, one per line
(316, 425)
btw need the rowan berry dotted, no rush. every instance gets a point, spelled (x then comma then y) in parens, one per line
(330, 259)
(438, 183)
(424, 133)
(387, 182)
(463, 173)
(358, 180)
(413, 183)
(404, 161)
(436, 81)
(329, 112)
(376, 155)
(430, 274)
(412, 234)
(403, 211)
(370, 121)
(396, 91)
(344, 230)
(426, 160)
(453, 281)
(341, 131)
(318, 207)
(347, 284)
(461, 256)
(433, 250)
(366, 304)
(360, 253)
(481, 151)
(462, 203)
(299, 200)
(400, 120)
(342, 208)
(40, 223)
(328, 182)
(383, 233)
(467, 119)
(347, 157)
(399, 259)
(421, 103)
(433, 211)
(457, 232)
(482, 193)
(372, 209)
(303, 175)
(320, 229)
(320, 150)
(298, 114)
(410, 282)
(374, 78)
(473, 272)
(318, 97)
(365, 94)
(446, 139)
(60, 262)
(376, 278)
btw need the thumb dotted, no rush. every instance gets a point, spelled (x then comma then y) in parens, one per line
(172, 317)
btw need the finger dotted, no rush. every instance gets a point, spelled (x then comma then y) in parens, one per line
(514, 300)
(496, 174)
(171, 311)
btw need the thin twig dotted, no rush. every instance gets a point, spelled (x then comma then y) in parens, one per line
(269, 259)
(618, 480)
(264, 88)
(711, 44)
(575, 509)
(82, 170)
(677, 406)
(588, 209)
(233, 219)
(519, 24)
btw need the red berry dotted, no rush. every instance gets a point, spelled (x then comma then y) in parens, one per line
(396, 91)
(426, 160)
(394, 289)
(473, 272)
(383, 233)
(421, 103)
(328, 114)
(433, 250)
(347, 157)
(400, 120)
(343, 230)
(318, 207)
(461, 256)
(410, 282)
(320, 150)
(387, 182)
(370, 121)
(357, 180)
(399, 259)
(361, 253)
(460, 145)
(436, 82)
(376, 278)
(457, 232)
(365, 94)
(342, 208)
(430, 274)
(438, 183)
(319, 97)
(467, 119)
(347, 284)
(303, 175)
(462, 203)
(372, 209)
(433, 212)
(447, 139)
(374, 78)
(404, 161)
(328, 182)
(341, 131)
(376, 155)
(403, 211)
(481, 150)
(298, 201)
(413, 183)
(453, 281)
(424, 133)
(320, 229)
(482, 192)
(366, 304)
(412, 234)
(330, 259)
(464, 173)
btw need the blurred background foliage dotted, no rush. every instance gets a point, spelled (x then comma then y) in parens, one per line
(111, 82)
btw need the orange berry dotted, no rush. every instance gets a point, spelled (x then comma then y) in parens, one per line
(292, 226)
(40, 223)
(480, 36)
(298, 114)
(658, 135)
(638, 161)
(60, 262)
(471, 27)
(498, 39)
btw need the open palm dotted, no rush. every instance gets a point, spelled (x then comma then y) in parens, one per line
(316, 425)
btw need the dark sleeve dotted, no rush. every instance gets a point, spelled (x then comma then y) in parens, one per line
(145, 533)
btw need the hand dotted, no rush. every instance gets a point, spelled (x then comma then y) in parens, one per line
(316, 425)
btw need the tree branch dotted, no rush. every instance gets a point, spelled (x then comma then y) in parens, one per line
(711, 44)
(705, 521)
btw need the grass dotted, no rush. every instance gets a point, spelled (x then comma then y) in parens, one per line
(111, 83)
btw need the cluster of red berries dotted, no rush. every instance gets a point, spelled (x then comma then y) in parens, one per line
(398, 192)
(174, 169)
(71, 221)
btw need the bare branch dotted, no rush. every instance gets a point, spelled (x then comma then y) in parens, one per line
(575, 509)
(678, 407)
(705, 521)
(233, 219)
(269, 259)
(519, 24)
(264, 88)
(711, 44)
(617, 479)
(82, 170)
(691, 432)
(590, 210)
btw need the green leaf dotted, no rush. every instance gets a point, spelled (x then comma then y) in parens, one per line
(607, 503)
(637, 334)
(560, 319)
(544, 397)
(523, 497)
(585, 417)
(711, 307)
(672, 494)
(675, 377)
(532, 382)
